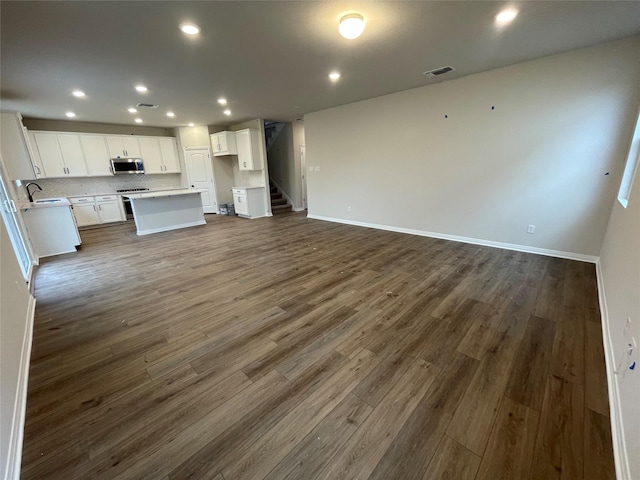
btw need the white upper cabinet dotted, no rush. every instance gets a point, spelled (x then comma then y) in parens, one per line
(15, 147)
(61, 154)
(160, 155)
(72, 155)
(170, 158)
(123, 146)
(151, 155)
(224, 143)
(249, 151)
(35, 156)
(96, 155)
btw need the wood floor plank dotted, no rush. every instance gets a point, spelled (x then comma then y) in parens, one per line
(511, 443)
(529, 373)
(474, 418)
(311, 453)
(367, 445)
(567, 360)
(559, 450)
(598, 450)
(158, 358)
(416, 443)
(595, 381)
(264, 454)
(452, 461)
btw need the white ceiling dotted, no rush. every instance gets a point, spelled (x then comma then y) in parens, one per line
(269, 59)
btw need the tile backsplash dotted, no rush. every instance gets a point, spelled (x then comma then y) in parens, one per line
(69, 187)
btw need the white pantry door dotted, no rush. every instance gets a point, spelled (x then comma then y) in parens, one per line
(200, 175)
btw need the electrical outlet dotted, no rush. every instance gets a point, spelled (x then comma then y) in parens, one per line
(349, 208)
(531, 229)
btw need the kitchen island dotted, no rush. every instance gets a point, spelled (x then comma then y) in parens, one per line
(165, 210)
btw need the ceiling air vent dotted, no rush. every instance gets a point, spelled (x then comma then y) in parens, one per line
(146, 105)
(439, 71)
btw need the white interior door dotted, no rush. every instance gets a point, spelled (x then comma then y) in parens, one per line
(200, 175)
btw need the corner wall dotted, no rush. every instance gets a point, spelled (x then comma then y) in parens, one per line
(619, 280)
(441, 161)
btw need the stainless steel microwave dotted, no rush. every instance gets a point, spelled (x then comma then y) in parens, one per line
(127, 166)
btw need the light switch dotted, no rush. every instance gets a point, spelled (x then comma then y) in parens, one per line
(317, 168)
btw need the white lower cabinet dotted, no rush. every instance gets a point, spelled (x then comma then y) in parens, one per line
(97, 210)
(249, 202)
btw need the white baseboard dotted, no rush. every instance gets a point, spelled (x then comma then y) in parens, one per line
(620, 456)
(14, 460)
(475, 241)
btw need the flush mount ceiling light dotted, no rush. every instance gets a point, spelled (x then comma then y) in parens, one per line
(190, 29)
(70, 114)
(334, 76)
(138, 120)
(171, 114)
(141, 88)
(132, 110)
(227, 112)
(191, 125)
(351, 26)
(78, 93)
(506, 16)
(222, 101)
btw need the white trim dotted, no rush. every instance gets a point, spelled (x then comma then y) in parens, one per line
(620, 456)
(12, 470)
(172, 227)
(475, 241)
(298, 209)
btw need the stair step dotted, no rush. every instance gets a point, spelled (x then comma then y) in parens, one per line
(280, 209)
(275, 196)
(278, 201)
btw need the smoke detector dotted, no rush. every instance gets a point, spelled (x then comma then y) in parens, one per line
(146, 105)
(439, 71)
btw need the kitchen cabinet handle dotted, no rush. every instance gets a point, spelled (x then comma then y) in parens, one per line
(94, 208)
(13, 206)
(38, 172)
(7, 206)
(100, 207)
(110, 169)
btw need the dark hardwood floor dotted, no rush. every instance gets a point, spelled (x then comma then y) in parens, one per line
(288, 348)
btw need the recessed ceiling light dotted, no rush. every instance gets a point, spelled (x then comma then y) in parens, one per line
(171, 114)
(190, 28)
(141, 88)
(334, 76)
(138, 120)
(227, 112)
(191, 125)
(351, 26)
(78, 93)
(132, 110)
(222, 101)
(70, 114)
(506, 16)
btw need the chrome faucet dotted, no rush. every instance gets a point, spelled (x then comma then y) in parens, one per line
(29, 192)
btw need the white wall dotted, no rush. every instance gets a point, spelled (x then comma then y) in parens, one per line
(620, 283)
(539, 158)
(16, 314)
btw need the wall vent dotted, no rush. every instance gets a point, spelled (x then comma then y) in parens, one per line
(439, 71)
(146, 105)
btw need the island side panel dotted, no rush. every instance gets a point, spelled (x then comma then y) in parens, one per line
(162, 213)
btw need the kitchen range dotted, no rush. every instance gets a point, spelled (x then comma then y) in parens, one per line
(125, 200)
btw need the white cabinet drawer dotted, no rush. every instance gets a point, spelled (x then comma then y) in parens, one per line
(239, 191)
(81, 199)
(106, 198)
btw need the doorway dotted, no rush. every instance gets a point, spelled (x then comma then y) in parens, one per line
(200, 175)
(303, 173)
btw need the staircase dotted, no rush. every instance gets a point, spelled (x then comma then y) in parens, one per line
(271, 131)
(278, 202)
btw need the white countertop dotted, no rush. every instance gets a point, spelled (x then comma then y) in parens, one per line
(250, 186)
(163, 193)
(46, 203)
